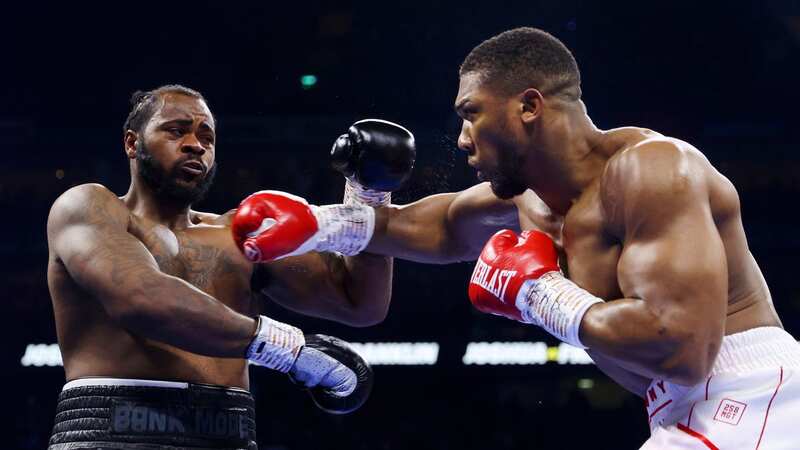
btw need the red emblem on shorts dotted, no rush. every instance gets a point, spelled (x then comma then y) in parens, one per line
(730, 411)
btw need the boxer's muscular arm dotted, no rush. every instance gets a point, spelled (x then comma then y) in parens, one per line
(354, 290)
(672, 270)
(87, 231)
(442, 228)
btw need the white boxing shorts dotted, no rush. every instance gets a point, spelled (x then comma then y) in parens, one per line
(751, 399)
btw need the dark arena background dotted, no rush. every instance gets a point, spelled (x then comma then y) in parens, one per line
(285, 79)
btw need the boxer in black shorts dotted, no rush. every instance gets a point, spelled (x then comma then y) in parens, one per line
(157, 310)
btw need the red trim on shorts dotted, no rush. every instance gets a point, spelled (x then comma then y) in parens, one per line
(780, 381)
(659, 409)
(691, 410)
(697, 435)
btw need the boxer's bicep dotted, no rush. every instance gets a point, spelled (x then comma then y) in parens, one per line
(87, 233)
(672, 256)
(476, 214)
(672, 269)
(678, 271)
(680, 267)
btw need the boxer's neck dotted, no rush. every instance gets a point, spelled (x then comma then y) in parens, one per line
(572, 157)
(144, 202)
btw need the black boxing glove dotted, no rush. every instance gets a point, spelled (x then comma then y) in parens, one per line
(376, 157)
(338, 378)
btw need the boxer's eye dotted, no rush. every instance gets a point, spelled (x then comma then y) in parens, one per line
(207, 139)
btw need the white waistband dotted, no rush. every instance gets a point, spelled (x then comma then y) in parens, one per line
(757, 348)
(81, 382)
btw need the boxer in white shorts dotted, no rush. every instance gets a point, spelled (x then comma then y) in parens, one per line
(633, 248)
(750, 399)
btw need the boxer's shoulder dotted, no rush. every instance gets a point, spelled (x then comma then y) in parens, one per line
(652, 161)
(653, 174)
(90, 203)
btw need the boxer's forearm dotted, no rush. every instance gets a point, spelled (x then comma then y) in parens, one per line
(422, 232)
(368, 285)
(651, 344)
(443, 228)
(353, 290)
(416, 232)
(169, 310)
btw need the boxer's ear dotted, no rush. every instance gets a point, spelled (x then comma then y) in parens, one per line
(531, 104)
(129, 143)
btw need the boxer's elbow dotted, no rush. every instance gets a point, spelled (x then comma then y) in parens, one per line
(685, 369)
(360, 317)
(365, 304)
(665, 347)
(368, 313)
(366, 319)
(688, 357)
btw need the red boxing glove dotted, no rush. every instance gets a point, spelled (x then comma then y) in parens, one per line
(270, 225)
(506, 262)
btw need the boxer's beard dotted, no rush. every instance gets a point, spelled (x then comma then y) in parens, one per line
(164, 183)
(506, 178)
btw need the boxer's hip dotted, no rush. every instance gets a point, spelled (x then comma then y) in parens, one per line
(750, 369)
(144, 414)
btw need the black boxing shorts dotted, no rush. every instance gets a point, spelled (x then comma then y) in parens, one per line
(113, 413)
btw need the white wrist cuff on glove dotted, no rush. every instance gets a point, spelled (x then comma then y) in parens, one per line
(346, 229)
(275, 345)
(354, 192)
(556, 304)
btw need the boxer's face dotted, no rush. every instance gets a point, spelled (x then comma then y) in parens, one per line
(175, 154)
(490, 137)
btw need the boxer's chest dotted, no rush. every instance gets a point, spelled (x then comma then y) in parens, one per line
(592, 254)
(204, 258)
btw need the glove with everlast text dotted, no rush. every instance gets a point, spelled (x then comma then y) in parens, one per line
(517, 276)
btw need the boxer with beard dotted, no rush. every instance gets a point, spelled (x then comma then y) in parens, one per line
(158, 312)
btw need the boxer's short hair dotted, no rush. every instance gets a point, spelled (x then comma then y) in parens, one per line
(145, 103)
(525, 57)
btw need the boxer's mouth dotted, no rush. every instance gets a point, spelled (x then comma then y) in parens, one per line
(194, 167)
